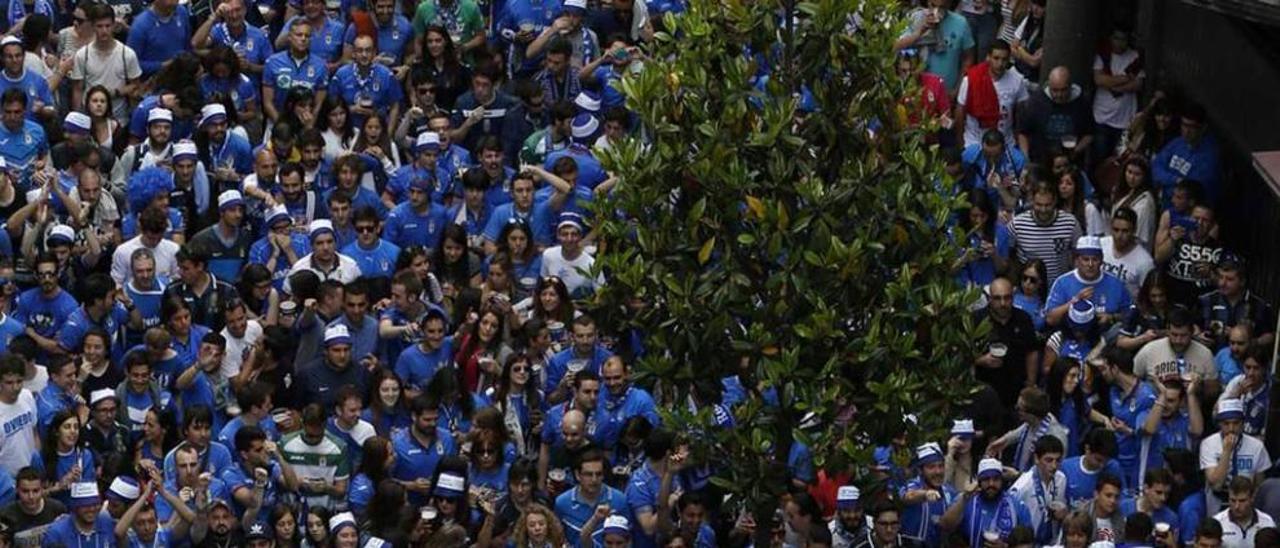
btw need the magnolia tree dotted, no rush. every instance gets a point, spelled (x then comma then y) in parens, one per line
(804, 250)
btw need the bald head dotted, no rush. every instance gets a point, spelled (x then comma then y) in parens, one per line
(1060, 84)
(572, 428)
(1000, 298)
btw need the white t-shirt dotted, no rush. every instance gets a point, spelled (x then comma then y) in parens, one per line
(1252, 460)
(1235, 537)
(1157, 360)
(346, 272)
(1024, 489)
(111, 70)
(570, 272)
(166, 253)
(1131, 268)
(18, 432)
(38, 381)
(238, 348)
(1108, 109)
(1011, 89)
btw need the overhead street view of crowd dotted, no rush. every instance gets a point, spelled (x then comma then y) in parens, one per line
(317, 273)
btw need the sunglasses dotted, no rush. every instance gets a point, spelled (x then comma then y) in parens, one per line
(1031, 279)
(365, 229)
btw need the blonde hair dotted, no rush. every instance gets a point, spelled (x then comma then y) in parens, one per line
(555, 535)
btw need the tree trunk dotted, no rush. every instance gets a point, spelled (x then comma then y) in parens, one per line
(1070, 37)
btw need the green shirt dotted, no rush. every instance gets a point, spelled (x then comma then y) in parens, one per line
(325, 461)
(463, 20)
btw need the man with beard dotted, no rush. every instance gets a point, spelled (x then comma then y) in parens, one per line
(262, 474)
(420, 221)
(926, 497)
(86, 524)
(104, 434)
(1131, 402)
(1045, 232)
(44, 309)
(103, 214)
(316, 168)
(303, 205)
(320, 380)
(260, 184)
(1087, 282)
(226, 241)
(1176, 356)
(1043, 490)
(1011, 361)
(850, 525)
(228, 155)
(324, 259)
(155, 150)
(218, 527)
(986, 513)
(420, 448)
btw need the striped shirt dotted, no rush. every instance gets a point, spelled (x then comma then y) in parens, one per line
(1052, 244)
(324, 461)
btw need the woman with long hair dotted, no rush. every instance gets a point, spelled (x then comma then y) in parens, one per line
(62, 460)
(387, 410)
(483, 350)
(417, 259)
(457, 405)
(1152, 128)
(374, 139)
(377, 458)
(1033, 289)
(186, 334)
(518, 399)
(1071, 198)
(95, 370)
(516, 241)
(456, 266)
(439, 61)
(1135, 192)
(261, 297)
(316, 532)
(1146, 318)
(489, 465)
(449, 491)
(1079, 339)
(284, 526)
(1027, 47)
(223, 78)
(387, 512)
(1011, 13)
(538, 527)
(551, 304)
(498, 281)
(299, 109)
(159, 436)
(339, 133)
(986, 247)
(1067, 401)
(104, 129)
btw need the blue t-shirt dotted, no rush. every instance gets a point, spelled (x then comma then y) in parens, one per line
(64, 463)
(252, 42)
(406, 227)
(642, 497)
(32, 85)
(1132, 408)
(1109, 294)
(414, 461)
(260, 253)
(72, 333)
(21, 148)
(565, 360)
(920, 520)
(574, 511)
(45, 315)
(1163, 515)
(379, 86)
(326, 41)
(359, 493)
(283, 73)
(1000, 515)
(398, 186)
(214, 459)
(379, 262)
(590, 171)
(158, 40)
(615, 411)
(415, 367)
(391, 39)
(1081, 482)
(9, 328)
(502, 216)
(63, 532)
(241, 89)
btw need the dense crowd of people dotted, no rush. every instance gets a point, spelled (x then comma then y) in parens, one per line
(313, 273)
